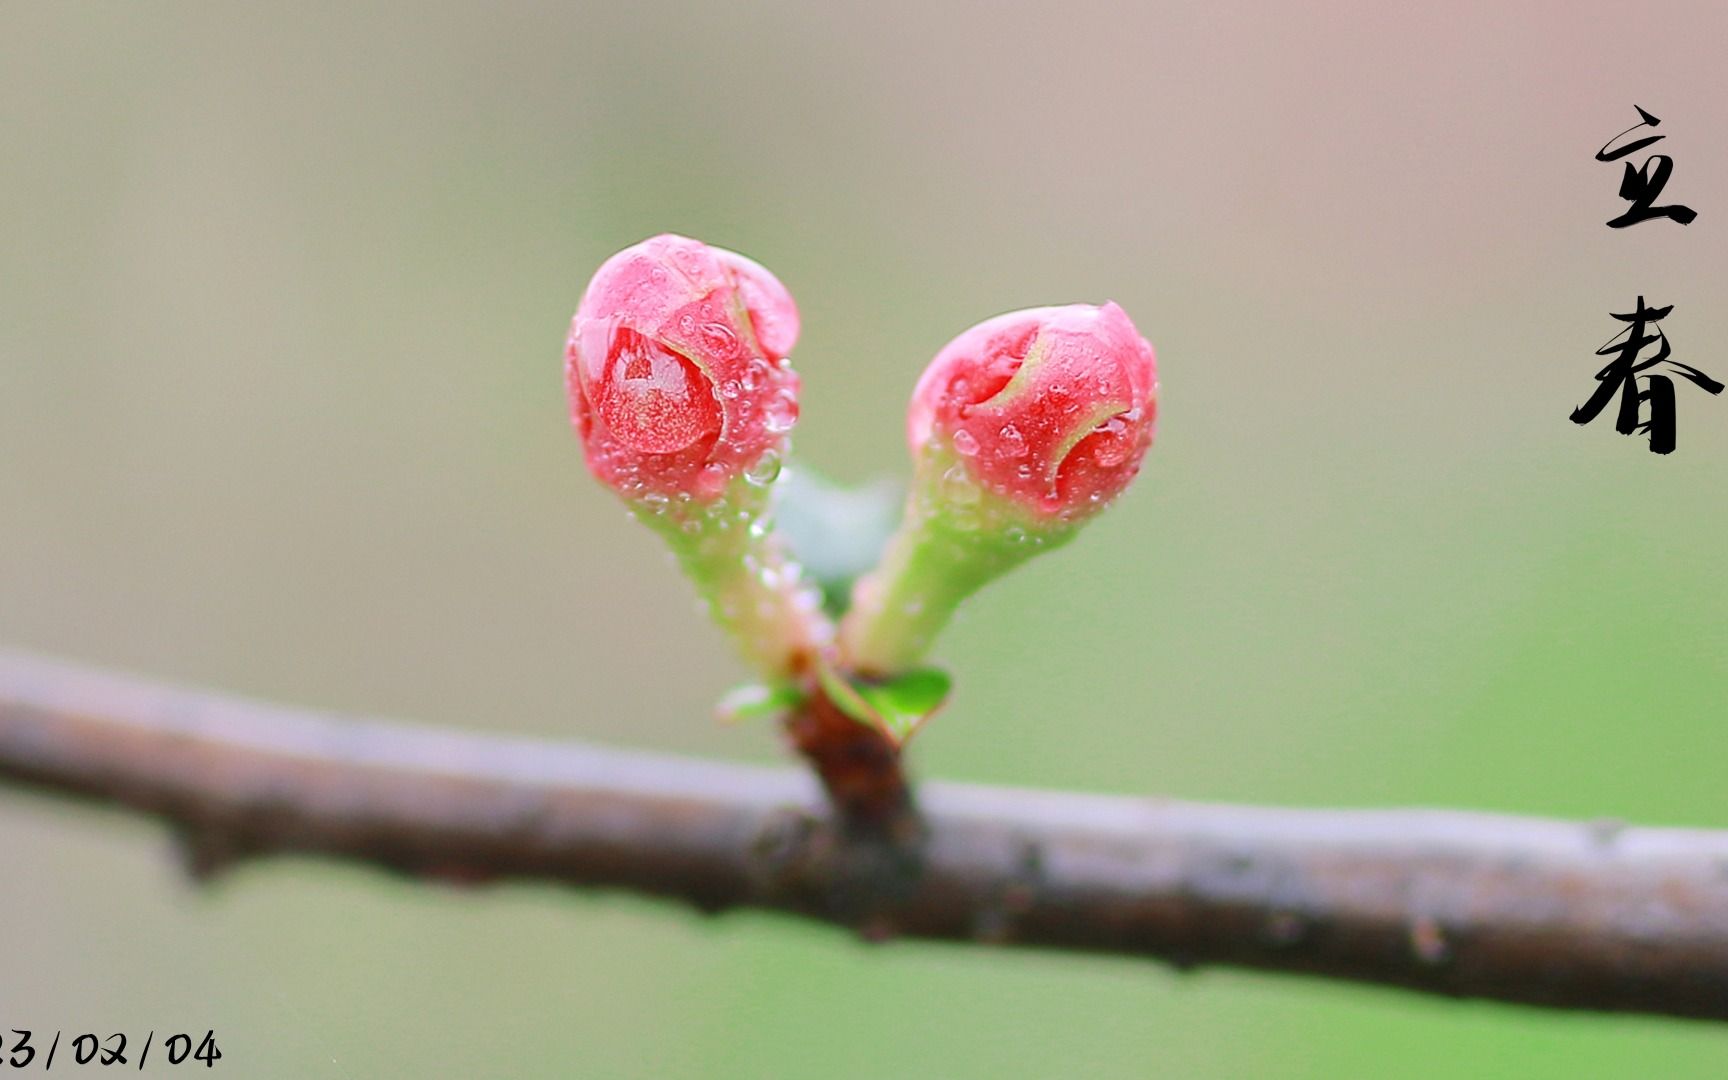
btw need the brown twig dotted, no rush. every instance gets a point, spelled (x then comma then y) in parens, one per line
(1543, 912)
(860, 769)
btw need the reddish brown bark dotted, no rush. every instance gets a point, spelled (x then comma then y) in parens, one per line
(859, 766)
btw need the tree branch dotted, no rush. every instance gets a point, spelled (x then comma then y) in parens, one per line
(1518, 909)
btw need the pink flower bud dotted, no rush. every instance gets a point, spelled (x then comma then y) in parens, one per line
(1052, 408)
(676, 369)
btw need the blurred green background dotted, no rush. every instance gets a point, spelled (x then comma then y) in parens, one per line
(282, 299)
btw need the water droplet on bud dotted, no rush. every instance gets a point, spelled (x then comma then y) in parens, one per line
(965, 443)
(755, 373)
(958, 487)
(1113, 444)
(711, 480)
(780, 413)
(1013, 443)
(764, 469)
(720, 338)
(652, 399)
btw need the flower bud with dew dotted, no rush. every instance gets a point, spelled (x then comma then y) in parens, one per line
(679, 385)
(1022, 429)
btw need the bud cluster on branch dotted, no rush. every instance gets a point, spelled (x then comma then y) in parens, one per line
(1021, 429)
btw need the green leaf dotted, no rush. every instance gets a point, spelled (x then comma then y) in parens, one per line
(844, 693)
(905, 702)
(836, 533)
(754, 701)
(897, 707)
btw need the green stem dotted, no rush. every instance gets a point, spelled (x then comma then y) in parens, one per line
(946, 549)
(751, 588)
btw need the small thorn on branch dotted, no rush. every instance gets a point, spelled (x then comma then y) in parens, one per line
(204, 852)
